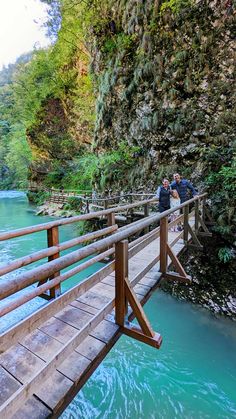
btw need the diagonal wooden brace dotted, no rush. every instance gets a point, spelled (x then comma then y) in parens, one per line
(180, 275)
(124, 294)
(135, 332)
(138, 310)
(175, 261)
(208, 215)
(205, 232)
(174, 276)
(194, 238)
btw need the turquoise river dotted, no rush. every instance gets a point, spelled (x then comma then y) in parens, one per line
(193, 375)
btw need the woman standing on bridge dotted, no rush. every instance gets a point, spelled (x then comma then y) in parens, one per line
(163, 194)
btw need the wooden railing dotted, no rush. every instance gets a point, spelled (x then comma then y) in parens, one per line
(106, 202)
(60, 196)
(114, 241)
(54, 247)
(48, 275)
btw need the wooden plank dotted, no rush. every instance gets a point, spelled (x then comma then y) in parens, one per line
(74, 366)
(105, 331)
(8, 385)
(148, 281)
(204, 234)
(141, 289)
(104, 290)
(90, 347)
(114, 332)
(94, 300)
(58, 329)
(34, 257)
(21, 363)
(41, 344)
(109, 280)
(84, 307)
(203, 225)
(33, 408)
(54, 389)
(135, 279)
(141, 245)
(74, 316)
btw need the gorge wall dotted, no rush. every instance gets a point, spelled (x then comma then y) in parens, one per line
(165, 77)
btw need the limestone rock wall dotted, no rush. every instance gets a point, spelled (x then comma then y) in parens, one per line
(165, 77)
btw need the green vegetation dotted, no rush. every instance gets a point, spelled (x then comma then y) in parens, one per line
(102, 170)
(47, 102)
(225, 254)
(38, 198)
(175, 5)
(15, 153)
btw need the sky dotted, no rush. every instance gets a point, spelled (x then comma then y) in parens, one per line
(21, 28)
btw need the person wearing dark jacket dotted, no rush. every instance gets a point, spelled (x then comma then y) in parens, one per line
(182, 186)
(163, 194)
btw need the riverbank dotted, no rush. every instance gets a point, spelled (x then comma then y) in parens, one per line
(55, 210)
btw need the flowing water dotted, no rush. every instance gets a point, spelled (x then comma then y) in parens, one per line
(193, 375)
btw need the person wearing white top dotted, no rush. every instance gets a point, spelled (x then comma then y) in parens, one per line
(174, 202)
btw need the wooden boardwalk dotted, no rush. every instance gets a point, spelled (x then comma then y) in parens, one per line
(47, 357)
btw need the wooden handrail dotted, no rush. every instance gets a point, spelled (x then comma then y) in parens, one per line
(112, 198)
(8, 287)
(9, 306)
(64, 221)
(50, 251)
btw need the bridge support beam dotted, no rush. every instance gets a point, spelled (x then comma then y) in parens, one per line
(165, 251)
(124, 294)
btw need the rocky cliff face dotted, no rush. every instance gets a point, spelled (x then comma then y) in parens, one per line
(165, 84)
(166, 76)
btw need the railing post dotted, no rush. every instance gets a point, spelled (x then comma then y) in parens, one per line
(87, 206)
(163, 244)
(121, 273)
(105, 204)
(204, 209)
(146, 210)
(146, 214)
(196, 222)
(111, 219)
(186, 216)
(53, 240)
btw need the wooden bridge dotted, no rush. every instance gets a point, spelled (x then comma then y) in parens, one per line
(48, 356)
(90, 203)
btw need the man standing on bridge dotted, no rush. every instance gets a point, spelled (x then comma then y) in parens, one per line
(182, 186)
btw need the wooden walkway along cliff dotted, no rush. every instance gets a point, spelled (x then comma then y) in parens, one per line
(47, 357)
(90, 203)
